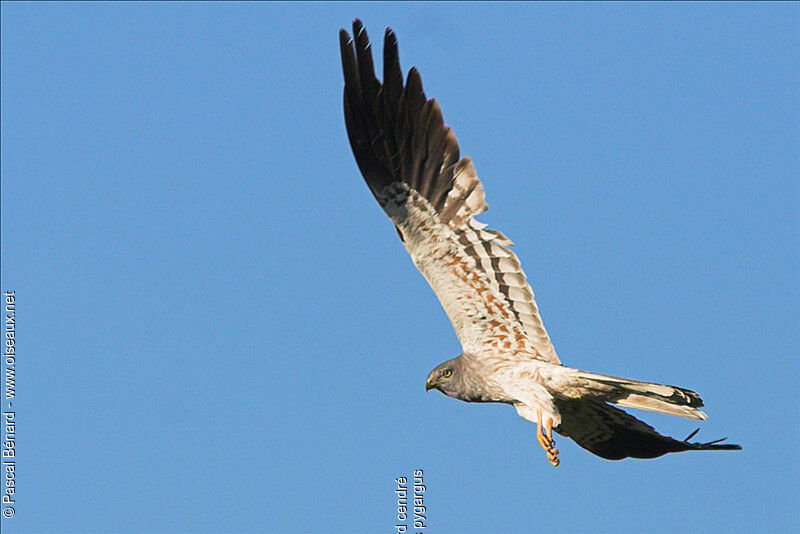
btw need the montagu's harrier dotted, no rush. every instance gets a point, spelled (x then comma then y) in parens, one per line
(410, 161)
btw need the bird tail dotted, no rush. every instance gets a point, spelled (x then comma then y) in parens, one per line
(643, 395)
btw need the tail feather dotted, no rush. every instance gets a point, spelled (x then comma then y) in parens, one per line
(643, 395)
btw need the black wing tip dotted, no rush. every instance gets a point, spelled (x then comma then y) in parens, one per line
(358, 28)
(395, 133)
(363, 56)
(711, 445)
(436, 110)
(725, 447)
(390, 50)
(349, 64)
(414, 83)
(714, 445)
(360, 34)
(690, 436)
(344, 38)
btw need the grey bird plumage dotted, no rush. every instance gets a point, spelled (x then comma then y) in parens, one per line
(411, 163)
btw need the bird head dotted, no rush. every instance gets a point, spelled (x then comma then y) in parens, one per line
(443, 377)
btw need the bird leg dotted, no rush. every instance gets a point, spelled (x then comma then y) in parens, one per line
(546, 440)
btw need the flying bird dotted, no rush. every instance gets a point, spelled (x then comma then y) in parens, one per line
(411, 163)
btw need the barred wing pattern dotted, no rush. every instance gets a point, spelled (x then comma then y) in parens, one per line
(410, 160)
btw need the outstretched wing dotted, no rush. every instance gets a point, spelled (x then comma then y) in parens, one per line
(410, 160)
(614, 434)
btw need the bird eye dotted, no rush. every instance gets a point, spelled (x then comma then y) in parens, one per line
(447, 373)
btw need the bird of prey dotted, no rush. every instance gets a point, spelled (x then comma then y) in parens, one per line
(410, 161)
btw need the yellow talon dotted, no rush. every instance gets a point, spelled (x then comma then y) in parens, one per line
(546, 440)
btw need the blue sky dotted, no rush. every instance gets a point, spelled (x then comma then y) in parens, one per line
(218, 329)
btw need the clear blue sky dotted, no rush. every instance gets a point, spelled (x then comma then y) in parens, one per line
(218, 329)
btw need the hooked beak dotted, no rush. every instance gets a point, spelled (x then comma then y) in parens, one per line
(430, 384)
